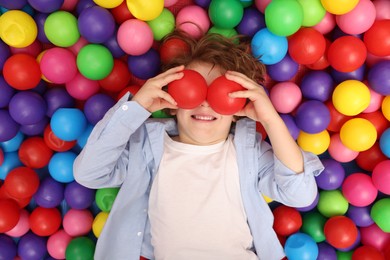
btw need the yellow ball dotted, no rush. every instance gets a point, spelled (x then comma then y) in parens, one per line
(358, 134)
(98, 223)
(351, 97)
(267, 199)
(145, 10)
(386, 107)
(18, 29)
(108, 3)
(316, 143)
(339, 6)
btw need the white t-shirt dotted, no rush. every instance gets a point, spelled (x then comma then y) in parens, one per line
(195, 206)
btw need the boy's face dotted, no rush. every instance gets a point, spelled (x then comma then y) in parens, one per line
(202, 125)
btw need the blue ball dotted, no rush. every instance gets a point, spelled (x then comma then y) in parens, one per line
(300, 246)
(268, 47)
(61, 166)
(145, 66)
(13, 144)
(82, 140)
(384, 142)
(68, 123)
(11, 161)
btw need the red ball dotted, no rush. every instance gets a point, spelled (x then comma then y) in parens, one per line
(1, 156)
(218, 96)
(306, 46)
(189, 91)
(322, 63)
(34, 153)
(287, 220)
(368, 159)
(55, 143)
(45, 221)
(121, 13)
(22, 71)
(118, 78)
(377, 119)
(340, 232)
(172, 48)
(9, 214)
(367, 253)
(347, 53)
(133, 89)
(377, 38)
(21, 182)
(21, 202)
(336, 118)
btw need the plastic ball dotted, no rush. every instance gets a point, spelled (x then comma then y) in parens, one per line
(374, 236)
(360, 216)
(83, 138)
(384, 142)
(135, 37)
(11, 161)
(285, 96)
(381, 177)
(313, 12)
(339, 152)
(105, 198)
(287, 220)
(113, 46)
(32, 246)
(289, 121)
(169, 3)
(61, 29)
(339, 7)
(300, 246)
(145, 66)
(347, 53)
(284, 70)
(322, 63)
(99, 222)
(225, 13)
(359, 189)
(57, 97)
(317, 85)
(8, 126)
(82, 88)
(313, 225)
(22, 227)
(9, 214)
(312, 116)
(336, 118)
(75, 48)
(77, 222)
(96, 24)
(55, 143)
(193, 20)
(358, 134)
(34, 152)
(375, 102)
(218, 96)
(78, 196)
(252, 21)
(57, 244)
(332, 203)
(367, 160)
(378, 77)
(61, 166)
(50, 193)
(351, 97)
(306, 46)
(340, 231)
(283, 17)
(18, 29)
(21, 182)
(7, 92)
(326, 251)
(46, 6)
(35, 129)
(268, 47)
(332, 176)
(118, 79)
(58, 65)
(22, 72)
(68, 123)
(377, 38)
(172, 48)
(359, 19)
(316, 143)
(80, 248)
(162, 25)
(95, 61)
(189, 91)
(145, 10)
(13, 4)
(367, 252)
(27, 108)
(97, 106)
(380, 213)
(12, 144)
(45, 221)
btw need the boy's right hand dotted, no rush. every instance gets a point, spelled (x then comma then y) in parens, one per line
(151, 95)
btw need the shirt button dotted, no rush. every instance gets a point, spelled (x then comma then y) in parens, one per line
(139, 234)
(125, 107)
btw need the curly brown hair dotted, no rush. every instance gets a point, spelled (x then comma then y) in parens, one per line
(228, 53)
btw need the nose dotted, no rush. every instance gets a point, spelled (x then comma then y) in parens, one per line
(205, 104)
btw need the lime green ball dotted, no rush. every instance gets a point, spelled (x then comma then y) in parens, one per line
(80, 248)
(380, 213)
(228, 33)
(226, 14)
(283, 17)
(332, 203)
(341, 255)
(105, 198)
(162, 25)
(313, 12)
(95, 61)
(313, 224)
(61, 29)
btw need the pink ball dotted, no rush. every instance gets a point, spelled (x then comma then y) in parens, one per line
(359, 190)
(135, 37)
(75, 48)
(381, 176)
(327, 24)
(168, 3)
(193, 20)
(77, 222)
(22, 227)
(57, 244)
(374, 236)
(359, 19)
(375, 101)
(382, 9)
(339, 152)
(285, 96)
(82, 88)
(262, 4)
(58, 65)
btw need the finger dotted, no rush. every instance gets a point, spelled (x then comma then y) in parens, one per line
(241, 79)
(165, 96)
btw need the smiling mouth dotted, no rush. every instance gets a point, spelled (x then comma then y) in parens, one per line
(203, 117)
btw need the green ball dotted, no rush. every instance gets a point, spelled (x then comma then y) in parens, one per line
(95, 61)
(283, 17)
(105, 198)
(332, 203)
(341, 255)
(161, 114)
(61, 29)
(162, 25)
(228, 33)
(380, 213)
(313, 12)
(313, 224)
(80, 248)
(246, 3)
(226, 14)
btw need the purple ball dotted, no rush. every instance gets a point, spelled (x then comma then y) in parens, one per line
(113, 46)
(46, 6)
(145, 66)
(35, 129)
(317, 85)
(27, 108)
(32, 247)
(8, 249)
(6, 92)
(78, 196)
(360, 215)
(5, 53)
(203, 3)
(13, 4)
(379, 77)
(50, 193)
(291, 125)
(312, 116)
(252, 21)
(284, 70)
(56, 98)
(96, 107)
(326, 252)
(332, 176)
(84, 4)
(357, 74)
(96, 24)
(40, 19)
(8, 127)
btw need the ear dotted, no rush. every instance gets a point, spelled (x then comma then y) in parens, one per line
(173, 112)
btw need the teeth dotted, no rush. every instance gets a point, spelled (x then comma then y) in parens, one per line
(208, 118)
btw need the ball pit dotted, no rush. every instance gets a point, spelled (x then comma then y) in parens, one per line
(65, 63)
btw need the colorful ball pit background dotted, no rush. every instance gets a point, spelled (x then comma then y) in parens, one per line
(65, 62)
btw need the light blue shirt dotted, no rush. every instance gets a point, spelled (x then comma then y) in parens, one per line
(124, 150)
